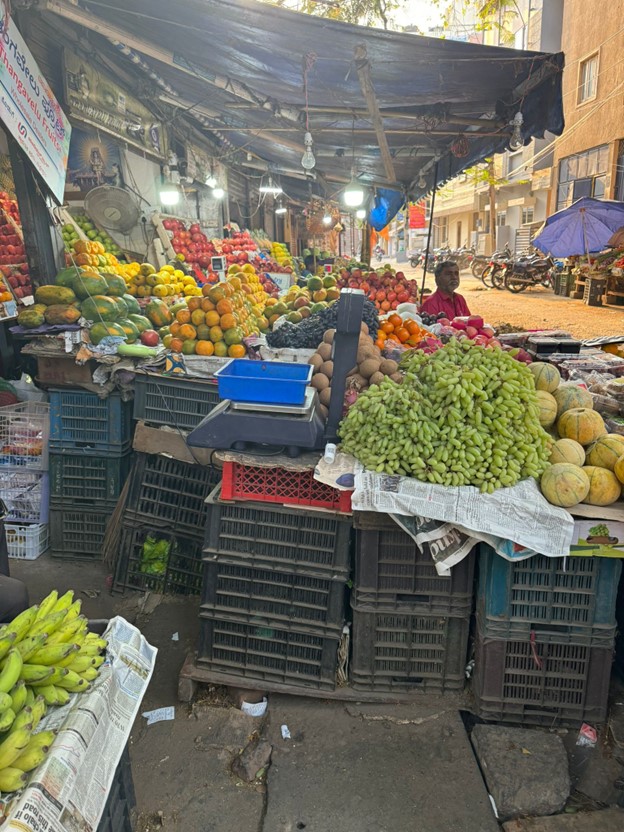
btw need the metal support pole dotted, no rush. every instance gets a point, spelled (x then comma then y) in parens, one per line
(431, 210)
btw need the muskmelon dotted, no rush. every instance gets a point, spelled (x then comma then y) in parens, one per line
(546, 376)
(582, 425)
(618, 470)
(568, 396)
(604, 486)
(547, 408)
(567, 450)
(564, 484)
(606, 451)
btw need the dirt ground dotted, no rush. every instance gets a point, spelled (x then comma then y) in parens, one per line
(537, 308)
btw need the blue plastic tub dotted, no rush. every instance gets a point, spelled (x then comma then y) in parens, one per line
(264, 382)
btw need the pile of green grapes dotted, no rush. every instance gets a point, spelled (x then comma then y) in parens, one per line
(464, 415)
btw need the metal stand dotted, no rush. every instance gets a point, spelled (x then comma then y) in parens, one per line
(344, 354)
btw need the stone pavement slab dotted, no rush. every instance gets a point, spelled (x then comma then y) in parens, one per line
(607, 820)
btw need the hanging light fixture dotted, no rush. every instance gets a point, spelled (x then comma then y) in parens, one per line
(327, 219)
(353, 194)
(422, 182)
(281, 208)
(211, 179)
(516, 141)
(308, 162)
(360, 214)
(218, 193)
(270, 188)
(169, 193)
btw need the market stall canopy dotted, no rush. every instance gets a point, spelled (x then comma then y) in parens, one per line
(585, 226)
(243, 69)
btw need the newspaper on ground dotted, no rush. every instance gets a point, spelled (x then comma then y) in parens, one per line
(517, 522)
(68, 792)
(338, 474)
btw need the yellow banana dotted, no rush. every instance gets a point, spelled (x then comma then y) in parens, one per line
(58, 673)
(30, 695)
(7, 719)
(62, 695)
(19, 695)
(73, 682)
(52, 655)
(11, 670)
(48, 625)
(24, 719)
(13, 746)
(89, 650)
(80, 664)
(30, 645)
(12, 779)
(49, 694)
(98, 661)
(67, 631)
(22, 623)
(73, 611)
(6, 701)
(64, 602)
(101, 642)
(38, 711)
(30, 759)
(6, 643)
(32, 673)
(47, 605)
(42, 739)
(89, 674)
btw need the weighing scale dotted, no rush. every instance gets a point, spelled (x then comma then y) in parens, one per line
(272, 428)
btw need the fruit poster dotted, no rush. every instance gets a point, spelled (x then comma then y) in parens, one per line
(598, 538)
(94, 159)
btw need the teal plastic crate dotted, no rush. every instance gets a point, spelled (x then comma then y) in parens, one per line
(84, 480)
(82, 422)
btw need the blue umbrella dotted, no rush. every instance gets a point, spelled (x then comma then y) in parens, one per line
(585, 226)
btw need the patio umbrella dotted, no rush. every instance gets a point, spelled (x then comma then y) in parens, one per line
(584, 227)
(617, 240)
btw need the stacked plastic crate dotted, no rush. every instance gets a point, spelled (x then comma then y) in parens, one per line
(24, 481)
(410, 624)
(273, 595)
(545, 638)
(90, 456)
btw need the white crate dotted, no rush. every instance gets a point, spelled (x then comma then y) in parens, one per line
(26, 495)
(24, 435)
(26, 542)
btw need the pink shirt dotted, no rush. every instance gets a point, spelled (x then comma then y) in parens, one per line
(453, 307)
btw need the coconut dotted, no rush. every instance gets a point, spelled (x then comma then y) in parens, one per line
(320, 382)
(327, 368)
(325, 396)
(388, 367)
(325, 351)
(368, 367)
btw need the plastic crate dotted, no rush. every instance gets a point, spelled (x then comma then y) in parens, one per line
(173, 400)
(574, 597)
(169, 493)
(405, 651)
(267, 652)
(118, 811)
(278, 537)
(267, 382)
(179, 572)
(77, 534)
(24, 435)
(26, 542)
(392, 572)
(78, 479)
(246, 589)
(280, 485)
(541, 682)
(26, 495)
(82, 422)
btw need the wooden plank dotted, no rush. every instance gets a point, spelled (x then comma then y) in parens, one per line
(164, 238)
(613, 512)
(153, 440)
(368, 91)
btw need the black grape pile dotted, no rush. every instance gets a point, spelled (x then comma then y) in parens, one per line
(308, 334)
(429, 320)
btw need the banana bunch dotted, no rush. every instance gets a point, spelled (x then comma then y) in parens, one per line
(46, 653)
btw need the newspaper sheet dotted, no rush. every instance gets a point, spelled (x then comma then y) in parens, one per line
(68, 792)
(516, 521)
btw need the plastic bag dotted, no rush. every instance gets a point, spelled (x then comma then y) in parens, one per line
(26, 390)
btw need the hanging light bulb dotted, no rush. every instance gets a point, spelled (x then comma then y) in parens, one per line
(353, 194)
(308, 162)
(281, 208)
(211, 180)
(422, 182)
(218, 193)
(327, 219)
(360, 214)
(169, 193)
(516, 141)
(270, 188)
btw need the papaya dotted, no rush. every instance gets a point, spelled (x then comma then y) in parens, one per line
(122, 306)
(158, 313)
(140, 321)
(132, 304)
(61, 313)
(88, 285)
(51, 295)
(103, 329)
(66, 277)
(31, 317)
(99, 308)
(132, 333)
(116, 285)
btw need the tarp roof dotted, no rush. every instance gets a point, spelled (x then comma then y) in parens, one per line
(239, 65)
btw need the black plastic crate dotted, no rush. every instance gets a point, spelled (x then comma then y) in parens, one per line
(175, 567)
(573, 596)
(170, 493)
(78, 479)
(77, 534)
(266, 652)
(405, 651)
(391, 571)
(247, 589)
(82, 422)
(173, 400)
(121, 801)
(541, 682)
(278, 537)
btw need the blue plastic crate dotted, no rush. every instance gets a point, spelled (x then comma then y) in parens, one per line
(574, 596)
(265, 382)
(81, 422)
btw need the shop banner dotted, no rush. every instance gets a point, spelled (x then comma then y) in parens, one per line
(30, 112)
(417, 214)
(96, 99)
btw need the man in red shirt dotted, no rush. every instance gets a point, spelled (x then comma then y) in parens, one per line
(445, 298)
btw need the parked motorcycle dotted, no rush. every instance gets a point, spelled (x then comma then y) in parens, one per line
(534, 271)
(480, 264)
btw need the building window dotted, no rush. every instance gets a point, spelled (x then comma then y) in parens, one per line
(501, 218)
(514, 160)
(583, 174)
(527, 215)
(588, 79)
(441, 232)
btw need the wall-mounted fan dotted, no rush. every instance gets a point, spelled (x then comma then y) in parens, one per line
(112, 208)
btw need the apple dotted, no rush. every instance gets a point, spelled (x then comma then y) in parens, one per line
(472, 332)
(475, 321)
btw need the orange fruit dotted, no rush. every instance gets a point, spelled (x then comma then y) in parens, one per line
(197, 316)
(207, 305)
(220, 349)
(216, 293)
(206, 289)
(183, 316)
(379, 344)
(381, 335)
(187, 332)
(402, 334)
(237, 351)
(227, 322)
(176, 345)
(188, 347)
(387, 327)
(396, 320)
(235, 282)
(174, 329)
(212, 318)
(204, 348)
(194, 303)
(224, 307)
(235, 335)
(216, 334)
(228, 289)
(274, 318)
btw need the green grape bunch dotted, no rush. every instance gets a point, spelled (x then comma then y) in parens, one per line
(464, 415)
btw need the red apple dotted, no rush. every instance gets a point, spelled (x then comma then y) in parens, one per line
(150, 338)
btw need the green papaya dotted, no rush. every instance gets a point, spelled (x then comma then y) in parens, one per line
(116, 285)
(132, 333)
(122, 306)
(141, 322)
(51, 295)
(31, 317)
(99, 308)
(132, 304)
(66, 277)
(88, 285)
(61, 313)
(103, 329)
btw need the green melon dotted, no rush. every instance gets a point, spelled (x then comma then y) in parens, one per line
(546, 376)
(568, 450)
(606, 451)
(66, 277)
(581, 424)
(141, 322)
(122, 306)
(604, 486)
(547, 408)
(568, 396)
(132, 333)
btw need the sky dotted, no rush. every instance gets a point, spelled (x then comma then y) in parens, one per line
(419, 13)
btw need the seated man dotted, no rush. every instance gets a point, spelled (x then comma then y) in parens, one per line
(445, 299)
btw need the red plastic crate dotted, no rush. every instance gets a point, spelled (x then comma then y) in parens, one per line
(279, 485)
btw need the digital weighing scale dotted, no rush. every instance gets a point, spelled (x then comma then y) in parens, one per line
(247, 426)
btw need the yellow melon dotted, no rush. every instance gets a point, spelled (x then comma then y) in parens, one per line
(581, 424)
(568, 396)
(606, 451)
(547, 408)
(618, 469)
(546, 376)
(604, 486)
(564, 484)
(567, 450)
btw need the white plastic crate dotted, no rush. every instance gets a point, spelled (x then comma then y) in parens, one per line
(26, 495)
(24, 436)
(26, 542)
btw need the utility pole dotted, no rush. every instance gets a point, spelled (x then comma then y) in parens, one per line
(492, 190)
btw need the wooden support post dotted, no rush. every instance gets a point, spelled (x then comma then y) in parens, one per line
(368, 91)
